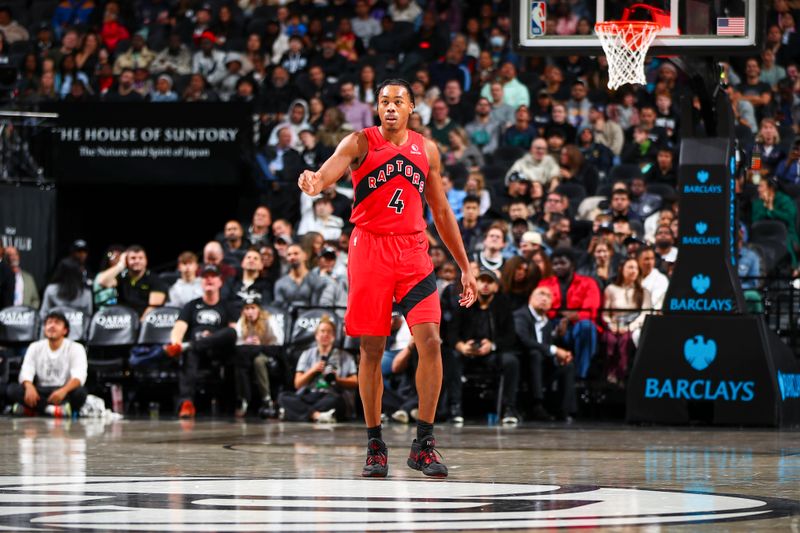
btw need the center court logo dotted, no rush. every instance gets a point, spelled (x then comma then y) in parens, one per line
(235, 504)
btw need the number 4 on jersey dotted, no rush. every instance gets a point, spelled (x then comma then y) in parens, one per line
(396, 202)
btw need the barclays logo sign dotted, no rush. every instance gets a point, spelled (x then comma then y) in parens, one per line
(702, 187)
(701, 283)
(789, 385)
(701, 239)
(700, 352)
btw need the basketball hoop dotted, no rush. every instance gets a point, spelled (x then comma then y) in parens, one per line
(625, 43)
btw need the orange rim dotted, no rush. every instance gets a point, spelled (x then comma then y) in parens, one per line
(611, 27)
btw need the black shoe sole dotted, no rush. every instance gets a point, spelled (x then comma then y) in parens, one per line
(413, 465)
(375, 474)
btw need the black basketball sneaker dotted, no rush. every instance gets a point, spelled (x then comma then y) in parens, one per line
(377, 459)
(425, 458)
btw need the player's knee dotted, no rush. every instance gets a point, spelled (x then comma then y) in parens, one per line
(429, 344)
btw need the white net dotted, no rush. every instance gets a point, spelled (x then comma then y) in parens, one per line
(625, 44)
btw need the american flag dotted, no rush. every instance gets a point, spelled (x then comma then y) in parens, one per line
(730, 26)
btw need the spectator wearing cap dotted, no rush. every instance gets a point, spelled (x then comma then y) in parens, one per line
(213, 254)
(295, 59)
(227, 85)
(357, 113)
(204, 329)
(606, 132)
(328, 58)
(137, 287)
(256, 331)
(248, 282)
(536, 165)
(541, 110)
(576, 300)
(67, 289)
(11, 29)
(530, 243)
(578, 105)
(208, 61)
(301, 287)
(162, 92)
(53, 373)
(484, 335)
(25, 291)
(174, 60)
(522, 132)
(323, 221)
(188, 286)
(137, 56)
(328, 267)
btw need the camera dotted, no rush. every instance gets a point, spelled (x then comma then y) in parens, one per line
(329, 372)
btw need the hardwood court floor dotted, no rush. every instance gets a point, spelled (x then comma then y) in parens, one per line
(220, 475)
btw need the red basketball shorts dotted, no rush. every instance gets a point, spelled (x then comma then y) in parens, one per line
(386, 268)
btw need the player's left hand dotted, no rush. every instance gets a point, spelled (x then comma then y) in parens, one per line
(470, 289)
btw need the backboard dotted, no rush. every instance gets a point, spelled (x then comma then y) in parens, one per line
(689, 27)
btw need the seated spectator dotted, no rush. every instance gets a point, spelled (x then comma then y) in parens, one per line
(576, 300)
(602, 264)
(136, 286)
(52, 375)
(788, 170)
(162, 91)
(324, 374)
(555, 204)
(470, 225)
(484, 333)
(324, 221)
(460, 110)
(767, 145)
(653, 280)
(597, 155)
(174, 60)
(773, 204)
(104, 296)
(333, 129)
(441, 124)
(328, 267)
(642, 203)
(558, 234)
(536, 165)
(188, 286)
(559, 122)
(137, 56)
(213, 254)
(640, 150)
(578, 105)
(494, 241)
(501, 111)
(620, 205)
(12, 30)
(547, 362)
(204, 329)
(301, 287)
(112, 30)
(460, 151)
(198, 90)
(530, 243)
(575, 169)
(247, 283)
(522, 132)
(314, 154)
(25, 291)
(519, 277)
(476, 186)
(260, 226)
(207, 61)
(754, 90)
(67, 289)
(255, 333)
(647, 122)
(663, 171)
(356, 113)
(484, 131)
(607, 133)
(295, 59)
(228, 85)
(627, 304)
(280, 162)
(665, 244)
(515, 93)
(234, 245)
(125, 90)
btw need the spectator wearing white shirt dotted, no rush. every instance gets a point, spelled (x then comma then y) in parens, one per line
(652, 278)
(364, 26)
(323, 221)
(53, 373)
(208, 61)
(405, 11)
(188, 286)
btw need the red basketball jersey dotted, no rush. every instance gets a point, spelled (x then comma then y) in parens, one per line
(389, 185)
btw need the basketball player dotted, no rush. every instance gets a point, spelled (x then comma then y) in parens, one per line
(392, 168)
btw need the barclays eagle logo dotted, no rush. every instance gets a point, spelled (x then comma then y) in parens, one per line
(699, 353)
(702, 176)
(701, 228)
(701, 283)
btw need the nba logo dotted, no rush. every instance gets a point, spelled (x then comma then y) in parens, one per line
(538, 18)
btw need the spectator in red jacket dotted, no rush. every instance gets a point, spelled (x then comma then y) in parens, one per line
(576, 313)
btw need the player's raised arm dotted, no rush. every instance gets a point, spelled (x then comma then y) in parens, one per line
(446, 223)
(350, 150)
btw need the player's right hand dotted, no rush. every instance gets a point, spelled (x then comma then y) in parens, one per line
(310, 182)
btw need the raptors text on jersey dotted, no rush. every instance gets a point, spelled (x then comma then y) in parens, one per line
(389, 186)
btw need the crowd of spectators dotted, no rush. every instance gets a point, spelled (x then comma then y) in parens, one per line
(564, 191)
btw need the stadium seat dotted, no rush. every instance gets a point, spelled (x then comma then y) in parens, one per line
(19, 324)
(763, 230)
(506, 155)
(112, 332)
(664, 190)
(282, 319)
(157, 325)
(624, 172)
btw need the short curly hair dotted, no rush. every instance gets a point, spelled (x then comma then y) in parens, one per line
(395, 81)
